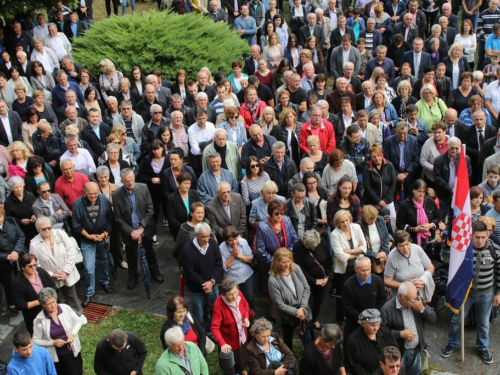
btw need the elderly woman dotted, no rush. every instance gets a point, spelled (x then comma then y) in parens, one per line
(271, 234)
(26, 287)
(284, 102)
(23, 102)
(348, 243)
(384, 131)
(252, 109)
(312, 254)
(379, 101)
(379, 179)
(36, 172)
(44, 108)
(460, 96)
(432, 148)
(230, 322)
(344, 198)
(11, 245)
(420, 216)
(338, 166)
(56, 255)
(327, 345)
(259, 210)
(456, 64)
(364, 345)
(127, 94)
(109, 81)
(403, 99)
(319, 87)
(92, 101)
(178, 316)
(409, 263)
(268, 120)
(56, 329)
(19, 205)
(18, 155)
(114, 163)
(476, 103)
(431, 109)
(287, 132)
(178, 203)
(235, 130)
(289, 291)
(437, 52)
(267, 349)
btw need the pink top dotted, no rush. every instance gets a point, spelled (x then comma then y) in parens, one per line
(37, 284)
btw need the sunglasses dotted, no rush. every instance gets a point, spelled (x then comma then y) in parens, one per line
(253, 166)
(278, 214)
(233, 117)
(45, 191)
(46, 229)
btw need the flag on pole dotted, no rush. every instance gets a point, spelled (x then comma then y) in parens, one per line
(461, 254)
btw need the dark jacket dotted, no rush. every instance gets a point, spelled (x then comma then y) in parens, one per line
(281, 178)
(11, 239)
(309, 211)
(463, 66)
(444, 88)
(22, 210)
(356, 153)
(411, 156)
(257, 358)
(441, 173)
(197, 328)
(406, 218)
(148, 136)
(16, 126)
(97, 145)
(31, 186)
(81, 112)
(52, 148)
(143, 108)
(123, 165)
(191, 115)
(177, 213)
(80, 28)
(306, 260)
(249, 148)
(23, 292)
(396, 53)
(135, 98)
(169, 184)
(379, 185)
(146, 173)
(82, 221)
(383, 233)
(313, 363)
(421, 22)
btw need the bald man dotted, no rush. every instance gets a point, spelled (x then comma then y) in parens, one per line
(340, 91)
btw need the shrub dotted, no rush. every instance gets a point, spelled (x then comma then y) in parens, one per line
(160, 40)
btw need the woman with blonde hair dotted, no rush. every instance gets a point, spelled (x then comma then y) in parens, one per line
(430, 108)
(127, 94)
(23, 102)
(18, 156)
(404, 98)
(387, 111)
(109, 81)
(273, 51)
(128, 143)
(268, 120)
(456, 64)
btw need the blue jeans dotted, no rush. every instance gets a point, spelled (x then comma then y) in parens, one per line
(124, 6)
(248, 290)
(411, 360)
(201, 305)
(88, 253)
(482, 305)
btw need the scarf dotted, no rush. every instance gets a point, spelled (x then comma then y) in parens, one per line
(402, 107)
(421, 219)
(185, 326)
(253, 109)
(238, 318)
(282, 228)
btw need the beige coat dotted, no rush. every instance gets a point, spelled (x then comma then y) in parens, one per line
(62, 260)
(340, 243)
(71, 324)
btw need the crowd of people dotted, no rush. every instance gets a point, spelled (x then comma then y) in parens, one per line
(267, 179)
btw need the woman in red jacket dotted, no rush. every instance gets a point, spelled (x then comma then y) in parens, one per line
(252, 109)
(230, 323)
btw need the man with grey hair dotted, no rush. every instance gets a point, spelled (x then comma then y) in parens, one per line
(311, 29)
(216, 13)
(150, 129)
(73, 71)
(307, 82)
(286, 76)
(348, 70)
(320, 127)
(445, 174)
(259, 145)
(381, 61)
(144, 106)
(327, 344)
(230, 157)
(207, 183)
(57, 41)
(92, 222)
(80, 157)
(112, 111)
(133, 209)
(70, 186)
(306, 165)
(363, 99)
(334, 98)
(226, 209)
(406, 315)
(201, 103)
(179, 131)
(200, 134)
(26, 65)
(51, 206)
(280, 167)
(180, 353)
(127, 117)
(70, 98)
(361, 291)
(163, 94)
(202, 264)
(59, 90)
(45, 55)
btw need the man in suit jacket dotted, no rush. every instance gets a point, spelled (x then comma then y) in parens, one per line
(74, 71)
(311, 29)
(403, 26)
(226, 209)
(144, 106)
(59, 90)
(392, 318)
(201, 103)
(400, 7)
(41, 207)
(162, 93)
(369, 131)
(337, 57)
(363, 98)
(473, 142)
(12, 125)
(336, 36)
(71, 101)
(133, 209)
(447, 32)
(454, 126)
(251, 61)
(442, 179)
(232, 161)
(417, 55)
(446, 12)
(73, 28)
(407, 166)
(421, 19)
(26, 66)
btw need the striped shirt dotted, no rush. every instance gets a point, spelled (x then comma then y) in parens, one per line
(486, 21)
(487, 276)
(252, 188)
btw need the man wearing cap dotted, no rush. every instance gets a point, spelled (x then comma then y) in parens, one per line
(405, 315)
(363, 348)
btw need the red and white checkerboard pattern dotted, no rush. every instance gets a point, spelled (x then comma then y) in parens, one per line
(461, 232)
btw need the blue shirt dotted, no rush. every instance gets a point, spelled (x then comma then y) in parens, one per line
(73, 29)
(387, 65)
(402, 156)
(96, 130)
(135, 218)
(492, 42)
(361, 283)
(239, 271)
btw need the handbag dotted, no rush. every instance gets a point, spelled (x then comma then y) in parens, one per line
(78, 257)
(424, 360)
(209, 344)
(306, 332)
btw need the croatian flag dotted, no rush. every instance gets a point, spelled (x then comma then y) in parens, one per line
(461, 254)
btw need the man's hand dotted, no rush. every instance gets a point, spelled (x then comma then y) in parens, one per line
(264, 159)
(241, 32)
(416, 304)
(53, 163)
(13, 256)
(25, 221)
(381, 256)
(408, 334)
(59, 211)
(207, 286)
(400, 177)
(137, 233)
(496, 300)
(382, 204)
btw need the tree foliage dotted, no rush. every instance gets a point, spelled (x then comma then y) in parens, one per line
(9, 8)
(160, 40)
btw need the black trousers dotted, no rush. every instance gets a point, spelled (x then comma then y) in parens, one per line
(288, 330)
(132, 258)
(115, 7)
(7, 279)
(316, 300)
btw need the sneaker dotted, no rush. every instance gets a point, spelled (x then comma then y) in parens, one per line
(155, 240)
(164, 223)
(486, 356)
(447, 350)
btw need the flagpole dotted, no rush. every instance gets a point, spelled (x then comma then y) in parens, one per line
(463, 333)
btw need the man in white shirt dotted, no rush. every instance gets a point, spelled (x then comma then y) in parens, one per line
(45, 55)
(80, 157)
(41, 30)
(200, 135)
(57, 41)
(10, 125)
(332, 12)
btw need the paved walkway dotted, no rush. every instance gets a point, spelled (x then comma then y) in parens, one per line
(436, 335)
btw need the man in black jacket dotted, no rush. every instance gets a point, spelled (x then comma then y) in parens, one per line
(144, 106)
(10, 125)
(96, 133)
(48, 142)
(355, 148)
(280, 168)
(259, 145)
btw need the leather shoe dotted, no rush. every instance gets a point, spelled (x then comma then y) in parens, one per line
(86, 300)
(107, 288)
(158, 277)
(132, 282)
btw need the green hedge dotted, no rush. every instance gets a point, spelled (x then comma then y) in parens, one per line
(160, 40)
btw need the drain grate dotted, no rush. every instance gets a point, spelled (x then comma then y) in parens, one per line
(95, 312)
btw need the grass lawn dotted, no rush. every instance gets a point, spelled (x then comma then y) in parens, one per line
(145, 325)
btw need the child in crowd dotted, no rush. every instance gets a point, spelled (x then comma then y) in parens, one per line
(29, 359)
(490, 70)
(491, 184)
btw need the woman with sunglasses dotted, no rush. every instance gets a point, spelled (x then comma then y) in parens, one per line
(235, 130)
(36, 172)
(251, 184)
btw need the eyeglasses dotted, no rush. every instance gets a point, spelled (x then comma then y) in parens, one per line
(32, 265)
(233, 117)
(126, 109)
(46, 229)
(278, 214)
(392, 367)
(45, 191)
(124, 133)
(157, 113)
(117, 143)
(253, 166)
